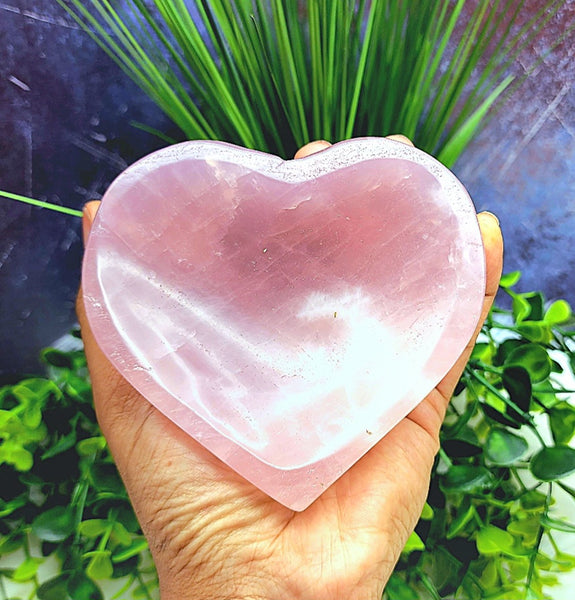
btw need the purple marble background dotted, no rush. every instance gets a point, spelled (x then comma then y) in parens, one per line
(65, 133)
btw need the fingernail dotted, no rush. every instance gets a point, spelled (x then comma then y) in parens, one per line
(88, 214)
(494, 217)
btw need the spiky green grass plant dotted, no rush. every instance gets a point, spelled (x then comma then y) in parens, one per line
(275, 74)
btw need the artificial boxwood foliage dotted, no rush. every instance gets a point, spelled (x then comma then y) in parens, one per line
(489, 529)
(60, 492)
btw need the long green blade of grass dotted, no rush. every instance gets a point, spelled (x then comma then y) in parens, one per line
(359, 82)
(461, 137)
(55, 207)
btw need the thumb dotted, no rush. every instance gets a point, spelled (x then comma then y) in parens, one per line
(103, 375)
(88, 215)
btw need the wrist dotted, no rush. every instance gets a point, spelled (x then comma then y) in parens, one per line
(216, 571)
(222, 585)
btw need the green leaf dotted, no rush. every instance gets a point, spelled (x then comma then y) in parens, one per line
(519, 569)
(527, 529)
(398, 589)
(14, 454)
(91, 446)
(54, 525)
(427, 512)
(413, 543)
(533, 500)
(100, 565)
(136, 547)
(493, 540)
(130, 566)
(7, 508)
(460, 448)
(533, 358)
(9, 422)
(121, 535)
(503, 415)
(57, 358)
(65, 442)
(27, 570)
(32, 416)
(78, 388)
(521, 308)
(482, 351)
(517, 382)
(81, 587)
(92, 528)
(503, 447)
(464, 515)
(508, 280)
(536, 331)
(536, 303)
(467, 478)
(125, 514)
(505, 348)
(105, 478)
(562, 422)
(36, 388)
(490, 575)
(553, 463)
(565, 562)
(559, 312)
(10, 543)
(53, 589)
(444, 570)
(544, 393)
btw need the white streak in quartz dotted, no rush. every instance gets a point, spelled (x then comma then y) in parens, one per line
(307, 372)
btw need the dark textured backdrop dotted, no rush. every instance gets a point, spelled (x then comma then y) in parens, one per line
(65, 133)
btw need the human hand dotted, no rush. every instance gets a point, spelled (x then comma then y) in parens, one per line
(213, 535)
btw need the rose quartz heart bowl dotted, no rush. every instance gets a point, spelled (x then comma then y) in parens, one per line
(285, 314)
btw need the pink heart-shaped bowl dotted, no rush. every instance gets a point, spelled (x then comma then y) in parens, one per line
(286, 314)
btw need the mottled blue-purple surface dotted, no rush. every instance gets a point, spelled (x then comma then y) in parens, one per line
(522, 166)
(65, 133)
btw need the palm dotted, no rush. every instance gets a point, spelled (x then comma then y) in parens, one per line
(354, 531)
(357, 528)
